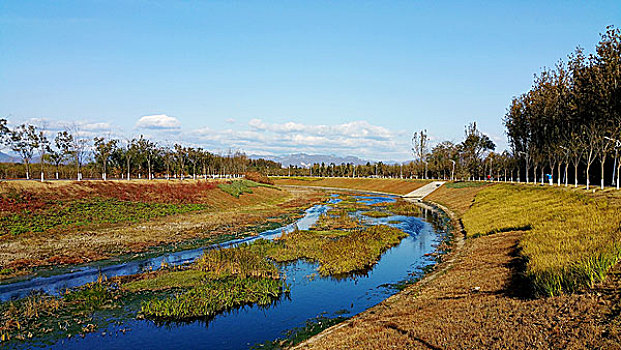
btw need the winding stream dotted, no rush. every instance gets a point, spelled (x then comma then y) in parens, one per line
(310, 296)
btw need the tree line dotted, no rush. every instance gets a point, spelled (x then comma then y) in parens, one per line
(68, 153)
(446, 160)
(569, 122)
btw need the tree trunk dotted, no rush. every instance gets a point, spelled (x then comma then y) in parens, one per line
(602, 162)
(575, 174)
(128, 169)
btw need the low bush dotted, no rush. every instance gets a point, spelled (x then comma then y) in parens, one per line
(258, 177)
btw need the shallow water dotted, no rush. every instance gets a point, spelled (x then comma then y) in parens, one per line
(82, 275)
(310, 295)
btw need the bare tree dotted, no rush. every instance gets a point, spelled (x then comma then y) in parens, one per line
(148, 150)
(63, 143)
(43, 146)
(420, 145)
(181, 155)
(79, 148)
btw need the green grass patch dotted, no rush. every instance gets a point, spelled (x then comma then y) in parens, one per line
(338, 252)
(465, 184)
(213, 297)
(238, 187)
(376, 214)
(88, 213)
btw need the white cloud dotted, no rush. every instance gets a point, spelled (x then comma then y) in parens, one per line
(158, 121)
(230, 120)
(358, 138)
(96, 126)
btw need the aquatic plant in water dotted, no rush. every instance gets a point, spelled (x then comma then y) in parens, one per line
(214, 296)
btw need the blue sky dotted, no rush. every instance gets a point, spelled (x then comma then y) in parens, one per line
(270, 77)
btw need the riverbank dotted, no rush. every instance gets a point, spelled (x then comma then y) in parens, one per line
(389, 186)
(482, 297)
(309, 259)
(57, 224)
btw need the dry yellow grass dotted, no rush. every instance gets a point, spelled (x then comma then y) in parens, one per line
(392, 186)
(572, 238)
(229, 216)
(458, 199)
(448, 312)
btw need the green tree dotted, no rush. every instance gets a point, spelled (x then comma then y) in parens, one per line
(25, 140)
(102, 152)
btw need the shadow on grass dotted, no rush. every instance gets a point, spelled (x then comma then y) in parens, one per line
(518, 285)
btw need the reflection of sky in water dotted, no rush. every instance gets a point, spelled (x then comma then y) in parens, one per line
(309, 297)
(372, 199)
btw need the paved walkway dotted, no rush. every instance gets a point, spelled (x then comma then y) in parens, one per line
(422, 192)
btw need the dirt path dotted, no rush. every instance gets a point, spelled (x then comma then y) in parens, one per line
(476, 304)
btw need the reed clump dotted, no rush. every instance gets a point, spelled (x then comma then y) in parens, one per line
(571, 239)
(245, 260)
(40, 314)
(219, 280)
(404, 208)
(338, 252)
(213, 297)
(376, 214)
(337, 219)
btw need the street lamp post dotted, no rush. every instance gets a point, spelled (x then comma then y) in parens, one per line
(566, 165)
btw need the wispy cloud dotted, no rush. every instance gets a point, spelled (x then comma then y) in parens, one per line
(356, 138)
(359, 138)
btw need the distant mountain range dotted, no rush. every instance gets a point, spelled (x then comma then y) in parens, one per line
(306, 160)
(6, 158)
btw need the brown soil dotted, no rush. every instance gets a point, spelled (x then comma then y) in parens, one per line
(392, 186)
(479, 303)
(42, 249)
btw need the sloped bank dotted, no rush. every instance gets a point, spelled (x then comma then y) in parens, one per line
(482, 300)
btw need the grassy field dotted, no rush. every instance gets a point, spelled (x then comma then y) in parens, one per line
(395, 186)
(457, 196)
(76, 222)
(571, 239)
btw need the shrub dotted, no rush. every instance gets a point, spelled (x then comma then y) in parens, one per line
(258, 177)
